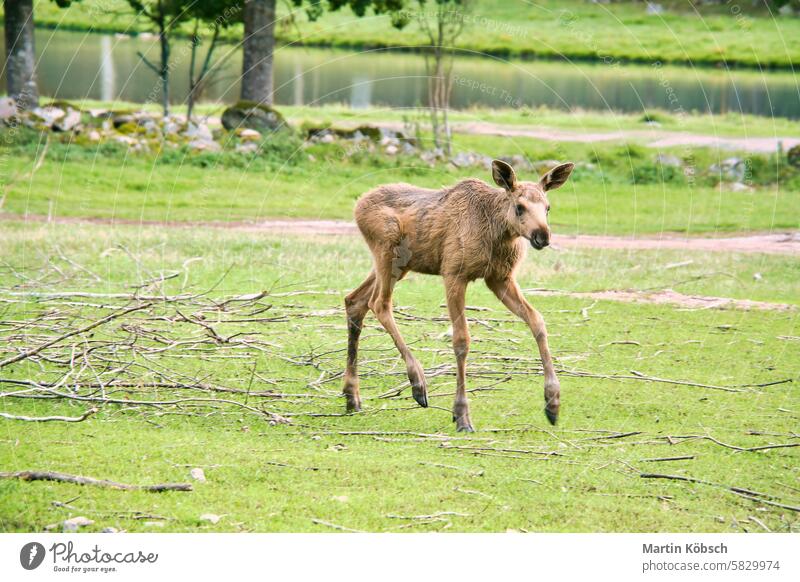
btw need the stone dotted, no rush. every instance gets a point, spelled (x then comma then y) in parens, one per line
(74, 523)
(198, 474)
(732, 169)
(247, 148)
(517, 161)
(391, 150)
(251, 115)
(739, 187)
(47, 115)
(94, 135)
(198, 131)
(654, 9)
(8, 108)
(213, 518)
(470, 160)
(204, 145)
(69, 122)
(668, 160)
(247, 134)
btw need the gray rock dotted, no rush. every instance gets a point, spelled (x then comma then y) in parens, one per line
(739, 187)
(471, 160)
(47, 115)
(8, 108)
(668, 160)
(518, 162)
(654, 9)
(198, 131)
(247, 148)
(198, 474)
(74, 523)
(204, 145)
(69, 122)
(731, 169)
(247, 134)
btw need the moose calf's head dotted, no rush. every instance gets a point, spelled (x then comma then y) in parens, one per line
(529, 205)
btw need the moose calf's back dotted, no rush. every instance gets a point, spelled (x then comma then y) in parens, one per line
(458, 231)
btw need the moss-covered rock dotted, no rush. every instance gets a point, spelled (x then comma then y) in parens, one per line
(251, 115)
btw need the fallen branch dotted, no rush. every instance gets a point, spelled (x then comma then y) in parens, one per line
(740, 491)
(78, 480)
(80, 418)
(44, 346)
(334, 526)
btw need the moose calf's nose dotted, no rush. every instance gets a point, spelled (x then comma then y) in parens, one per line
(540, 239)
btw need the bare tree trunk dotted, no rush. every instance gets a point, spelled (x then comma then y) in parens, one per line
(196, 84)
(163, 71)
(259, 44)
(20, 56)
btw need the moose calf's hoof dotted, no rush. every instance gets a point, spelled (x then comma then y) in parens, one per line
(419, 389)
(353, 403)
(552, 415)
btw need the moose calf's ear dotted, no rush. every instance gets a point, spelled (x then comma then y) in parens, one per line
(504, 175)
(556, 177)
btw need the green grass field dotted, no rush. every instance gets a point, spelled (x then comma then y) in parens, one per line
(618, 188)
(735, 34)
(395, 467)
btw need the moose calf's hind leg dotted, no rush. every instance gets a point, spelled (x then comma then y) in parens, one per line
(356, 307)
(381, 305)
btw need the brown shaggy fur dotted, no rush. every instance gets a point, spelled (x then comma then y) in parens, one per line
(466, 232)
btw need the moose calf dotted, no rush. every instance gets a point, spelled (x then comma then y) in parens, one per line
(463, 233)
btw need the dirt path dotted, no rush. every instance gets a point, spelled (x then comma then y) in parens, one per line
(779, 243)
(670, 297)
(654, 138)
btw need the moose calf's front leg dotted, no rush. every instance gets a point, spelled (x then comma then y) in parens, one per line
(456, 291)
(510, 294)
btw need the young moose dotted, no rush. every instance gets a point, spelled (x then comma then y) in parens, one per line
(463, 233)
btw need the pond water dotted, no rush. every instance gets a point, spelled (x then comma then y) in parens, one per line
(74, 65)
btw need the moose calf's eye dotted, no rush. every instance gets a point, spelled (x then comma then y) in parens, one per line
(520, 209)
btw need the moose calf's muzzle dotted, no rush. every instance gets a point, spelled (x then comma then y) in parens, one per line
(540, 239)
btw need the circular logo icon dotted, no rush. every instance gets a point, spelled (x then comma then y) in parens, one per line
(31, 555)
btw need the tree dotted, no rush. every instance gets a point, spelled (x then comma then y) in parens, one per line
(258, 47)
(20, 57)
(259, 37)
(20, 53)
(442, 23)
(165, 15)
(217, 15)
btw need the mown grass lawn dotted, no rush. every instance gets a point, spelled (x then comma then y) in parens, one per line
(617, 188)
(389, 467)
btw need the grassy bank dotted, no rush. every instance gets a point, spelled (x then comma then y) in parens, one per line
(619, 32)
(618, 188)
(386, 468)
